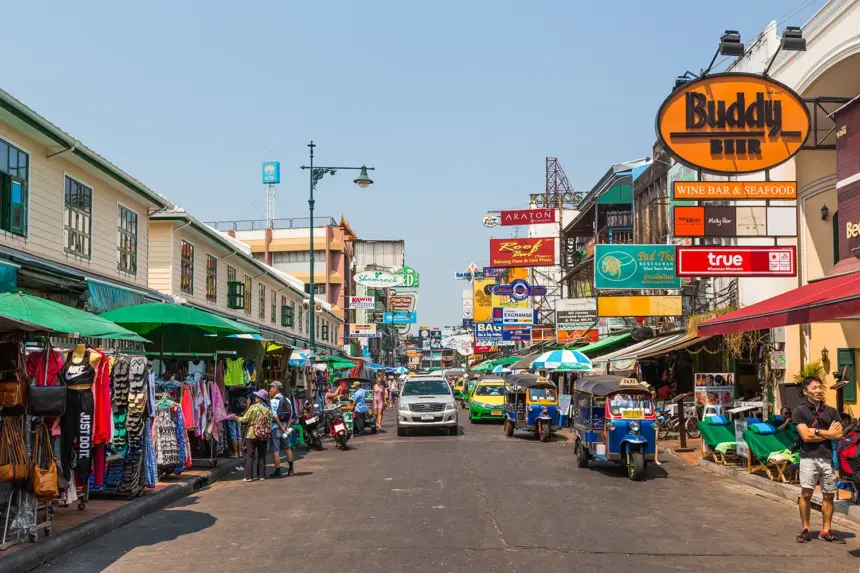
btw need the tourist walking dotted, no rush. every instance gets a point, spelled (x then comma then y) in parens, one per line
(258, 418)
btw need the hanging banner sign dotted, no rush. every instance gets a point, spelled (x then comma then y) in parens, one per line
(714, 261)
(733, 190)
(528, 217)
(533, 252)
(399, 318)
(362, 330)
(733, 123)
(378, 279)
(635, 267)
(519, 290)
(722, 221)
(361, 302)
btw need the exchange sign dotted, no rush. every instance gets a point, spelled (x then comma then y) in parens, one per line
(635, 267)
(533, 252)
(713, 261)
(733, 123)
(516, 316)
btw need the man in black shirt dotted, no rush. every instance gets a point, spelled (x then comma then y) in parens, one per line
(817, 425)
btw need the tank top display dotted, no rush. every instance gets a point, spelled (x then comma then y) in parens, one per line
(81, 373)
(235, 374)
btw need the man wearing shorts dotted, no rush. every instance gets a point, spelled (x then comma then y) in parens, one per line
(280, 428)
(817, 425)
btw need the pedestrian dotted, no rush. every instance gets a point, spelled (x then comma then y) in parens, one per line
(817, 424)
(258, 418)
(379, 399)
(282, 419)
(360, 410)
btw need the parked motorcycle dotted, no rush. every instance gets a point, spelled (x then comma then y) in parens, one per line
(312, 427)
(337, 427)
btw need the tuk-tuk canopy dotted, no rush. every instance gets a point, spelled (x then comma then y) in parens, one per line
(522, 381)
(604, 385)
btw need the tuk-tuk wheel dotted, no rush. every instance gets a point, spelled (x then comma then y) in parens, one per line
(509, 429)
(635, 466)
(543, 432)
(581, 456)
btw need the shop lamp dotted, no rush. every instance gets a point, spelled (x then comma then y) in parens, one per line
(825, 355)
(793, 40)
(824, 212)
(730, 44)
(363, 180)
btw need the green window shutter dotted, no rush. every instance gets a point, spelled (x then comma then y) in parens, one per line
(845, 357)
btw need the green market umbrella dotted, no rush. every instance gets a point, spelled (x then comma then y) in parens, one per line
(145, 318)
(59, 318)
(334, 362)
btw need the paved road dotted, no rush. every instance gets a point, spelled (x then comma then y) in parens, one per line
(476, 502)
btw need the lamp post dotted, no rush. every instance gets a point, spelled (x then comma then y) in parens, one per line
(317, 173)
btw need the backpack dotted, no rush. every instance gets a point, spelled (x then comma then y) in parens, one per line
(848, 457)
(285, 410)
(263, 427)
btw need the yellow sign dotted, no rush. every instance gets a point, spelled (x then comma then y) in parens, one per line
(482, 302)
(632, 306)
(733, 123)
(515, 273)
(636, 414)
(502, 301)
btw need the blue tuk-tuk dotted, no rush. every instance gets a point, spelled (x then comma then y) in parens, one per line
(531, 404)
(615, 419)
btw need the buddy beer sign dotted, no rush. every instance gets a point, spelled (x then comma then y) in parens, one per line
(733, 123)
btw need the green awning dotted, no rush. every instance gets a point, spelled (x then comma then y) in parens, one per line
(602, 344)
(60, 318)
(145, 318)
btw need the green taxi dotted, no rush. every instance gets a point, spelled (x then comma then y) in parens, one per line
(487, 400)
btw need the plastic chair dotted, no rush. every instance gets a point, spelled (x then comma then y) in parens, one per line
(712, 410)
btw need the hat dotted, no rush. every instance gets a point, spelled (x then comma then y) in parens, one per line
(356, 384)
(276, 384)
(262, 394)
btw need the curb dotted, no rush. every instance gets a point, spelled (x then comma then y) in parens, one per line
(35, 555)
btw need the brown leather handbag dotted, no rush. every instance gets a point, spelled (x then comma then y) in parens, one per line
(14, 465)
(43, 477)
(13, 376)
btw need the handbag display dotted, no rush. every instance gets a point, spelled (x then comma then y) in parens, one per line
(14, 465)
(43, 477)
(11, 394)
(13, 376)
(47, 401)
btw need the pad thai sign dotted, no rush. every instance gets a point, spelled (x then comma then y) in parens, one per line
(526, 252)
(635, 267)
(733, 123)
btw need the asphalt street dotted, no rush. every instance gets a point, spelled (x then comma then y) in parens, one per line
(475, 502)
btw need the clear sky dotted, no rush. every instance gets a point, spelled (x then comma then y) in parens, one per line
(456, 103)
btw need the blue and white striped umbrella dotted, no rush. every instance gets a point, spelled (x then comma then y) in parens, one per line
(554, 358)
(501, 369)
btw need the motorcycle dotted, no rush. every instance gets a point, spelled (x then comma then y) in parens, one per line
(337, 427)
(310, 422)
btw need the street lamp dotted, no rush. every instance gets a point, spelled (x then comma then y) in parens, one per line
(318, 173)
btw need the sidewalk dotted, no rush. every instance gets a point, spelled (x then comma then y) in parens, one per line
(72, 528)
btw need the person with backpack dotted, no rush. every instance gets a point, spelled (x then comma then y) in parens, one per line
(818, 425)
(258, 418)
(282, 419)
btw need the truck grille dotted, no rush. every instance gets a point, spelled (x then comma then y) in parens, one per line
(427, 407)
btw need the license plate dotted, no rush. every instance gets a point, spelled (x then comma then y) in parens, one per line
(496, 413)
(426, 417)
(634, 414)
(310, 420)
(339, 428)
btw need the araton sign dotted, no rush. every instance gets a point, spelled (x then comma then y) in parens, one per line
(733, 123)
(378, 279)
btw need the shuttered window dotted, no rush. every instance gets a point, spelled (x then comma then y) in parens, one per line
(845, 357)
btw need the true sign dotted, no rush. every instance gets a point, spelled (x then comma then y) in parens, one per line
(361, 302)
(714, 261)
(733, 190)
(519, 290)
(733, 123)
(528, 217)
(526, 252)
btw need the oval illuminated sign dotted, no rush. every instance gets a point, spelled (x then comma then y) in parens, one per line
(733, 123)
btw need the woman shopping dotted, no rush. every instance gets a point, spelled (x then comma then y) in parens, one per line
(258, 420)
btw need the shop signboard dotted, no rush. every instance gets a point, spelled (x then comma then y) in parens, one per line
(488, 333)
(378, 279)
(494, 273)
(404, 301)
(362, 302)
(517, 333)
(733, 123)
(411, 278)
(425, 345)
(491, 220)
(407, 317)
(635, 267)
(485, 348)
(528, 217)
(733, 190)
(271, 172)
(514, 316)
(471, 273)
(715, 389)
(468, 304)
(482, 303)
(638, 306)
(575, 313)
(507, 302)
(543, 333)
(468, 323)
(524, 252)
(847, 124)
(580, 336)
(715, 261)
(519, 290)
(362, 330)
(734, 221)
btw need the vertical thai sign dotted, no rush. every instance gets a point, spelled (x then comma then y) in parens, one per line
(847, 121)
(481, 299)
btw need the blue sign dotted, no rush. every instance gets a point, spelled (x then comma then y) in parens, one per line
(517, 333)
(272, 172)
(487, 332)
(407, 317)
(519, 290)
(468, 323)
(493, 273)
(498, 316)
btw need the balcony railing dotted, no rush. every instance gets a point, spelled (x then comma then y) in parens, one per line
(619, 219)
(261, 224)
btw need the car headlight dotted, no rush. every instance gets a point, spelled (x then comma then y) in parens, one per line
(610, 426)
(635, 426)
(450, 406)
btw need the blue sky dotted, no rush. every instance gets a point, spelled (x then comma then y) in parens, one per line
(455, 103)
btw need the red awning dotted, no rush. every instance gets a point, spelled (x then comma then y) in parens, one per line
(828, 299)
